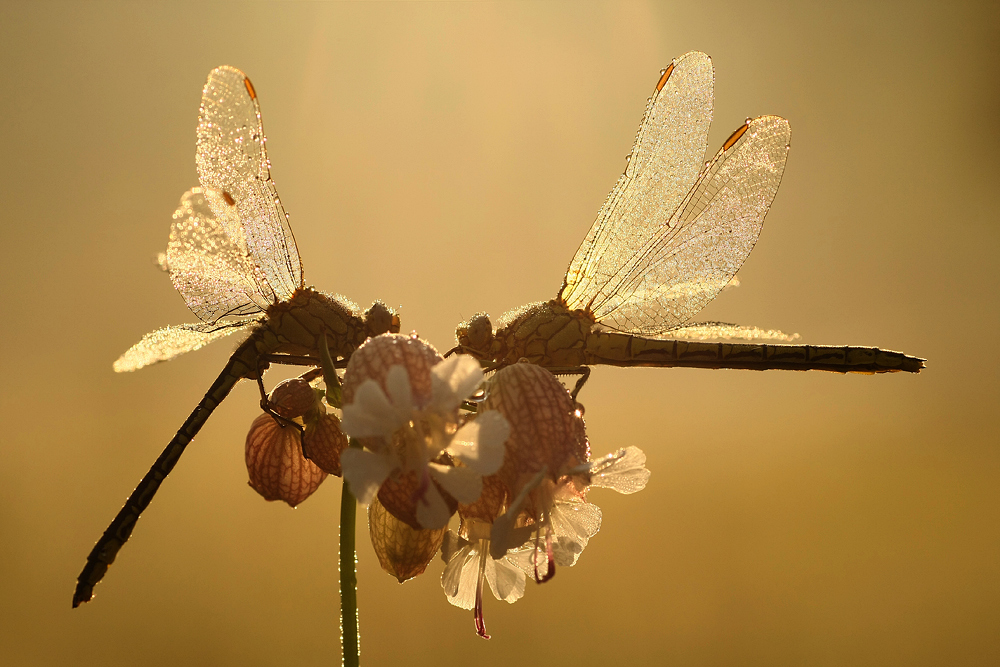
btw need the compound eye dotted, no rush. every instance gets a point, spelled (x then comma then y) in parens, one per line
(380, 319)
(476, 333)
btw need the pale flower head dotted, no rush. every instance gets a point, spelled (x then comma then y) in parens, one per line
(547, 469)
(401, 401)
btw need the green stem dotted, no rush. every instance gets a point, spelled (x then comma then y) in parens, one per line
(349, 636)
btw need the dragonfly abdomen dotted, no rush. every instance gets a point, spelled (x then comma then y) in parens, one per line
(618, 349)
(242, 364)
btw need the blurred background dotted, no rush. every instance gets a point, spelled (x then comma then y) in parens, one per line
(449, 158)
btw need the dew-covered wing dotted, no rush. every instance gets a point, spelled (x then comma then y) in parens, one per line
(165, 344)
(234, 170)
(210, 266)
(697, 252)
(724, 331)
(668, 153)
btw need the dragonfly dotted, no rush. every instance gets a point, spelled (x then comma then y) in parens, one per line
(232, 256)
(671, 235)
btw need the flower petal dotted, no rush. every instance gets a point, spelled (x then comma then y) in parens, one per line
(397, 384)
(575, 519)
(624, 471)
(566, 551)
(506, 581)
(454, 380)
(460, 577)
(371, 414)
(364, 472)
(452, 544)
(480, 443)
(452, 573)
(432, 511)
(464, 485)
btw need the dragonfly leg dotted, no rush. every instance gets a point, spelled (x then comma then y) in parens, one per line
(296, 360)
(334, 394)
(265, 404)
(582, 371)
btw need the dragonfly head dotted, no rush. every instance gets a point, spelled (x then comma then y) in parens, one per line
(475, 335)
(380, 319)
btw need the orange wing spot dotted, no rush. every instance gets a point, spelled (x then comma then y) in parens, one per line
(664, 77)
(229, 198)
(735, 136)
(253, 93)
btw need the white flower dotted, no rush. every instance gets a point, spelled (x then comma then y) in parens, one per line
(405, 436)
(562, 521)
(469, 563)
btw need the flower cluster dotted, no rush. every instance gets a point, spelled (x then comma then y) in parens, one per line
(533, 514)
(433, 438)
(401, 401)
(289, 453)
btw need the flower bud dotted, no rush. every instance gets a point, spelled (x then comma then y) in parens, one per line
(401, 493)
(491, 504)
(323, 443)
(293, 398)
(546, 430)
(277, 468)
(402, 551)
(373, 360)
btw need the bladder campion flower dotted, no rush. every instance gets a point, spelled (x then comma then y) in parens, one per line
(403, 551)
(533, 514)
(401, 401)
(278, 467)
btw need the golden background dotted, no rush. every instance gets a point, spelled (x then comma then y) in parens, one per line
(449, 158)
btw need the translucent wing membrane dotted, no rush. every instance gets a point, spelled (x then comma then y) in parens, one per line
(234, 170)
(209, 264)
(665, 160)
(723, 331)
(165, 344)
(692, 257)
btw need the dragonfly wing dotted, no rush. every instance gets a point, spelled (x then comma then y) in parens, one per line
(213, 274)
(665, 160)
(166, 343)
(234, 170)
(723, 331)
(695, 255)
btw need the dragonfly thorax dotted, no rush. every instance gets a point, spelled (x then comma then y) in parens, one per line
(546, 333)
(298, 323)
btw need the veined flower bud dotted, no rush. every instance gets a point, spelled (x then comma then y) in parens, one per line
(546, 431)
(401, 494)
(373, 360)
(492, 502)
(323, 443)
(403, 551)
(277, 468)
(293, 398)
